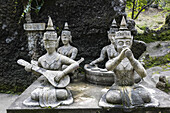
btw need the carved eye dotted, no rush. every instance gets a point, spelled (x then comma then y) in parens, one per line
(127, 42)
(120, 42)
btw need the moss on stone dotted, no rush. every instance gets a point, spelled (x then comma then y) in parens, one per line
(154, 36)
(156, 61)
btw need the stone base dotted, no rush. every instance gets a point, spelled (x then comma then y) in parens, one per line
(99, 76)
(86, 98)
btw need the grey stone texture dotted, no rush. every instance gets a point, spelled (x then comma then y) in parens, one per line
(86, 97)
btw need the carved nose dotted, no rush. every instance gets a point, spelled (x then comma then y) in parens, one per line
(124, 45)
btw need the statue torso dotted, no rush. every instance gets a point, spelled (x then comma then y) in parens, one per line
(111, 52)
(124, 73)
(51, 63)
(66, 51)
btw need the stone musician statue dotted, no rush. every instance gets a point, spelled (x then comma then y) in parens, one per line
(52, 91)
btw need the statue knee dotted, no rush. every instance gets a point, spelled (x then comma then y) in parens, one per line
(113, 96)
(145, 97)
(62, 94)
(35, 94)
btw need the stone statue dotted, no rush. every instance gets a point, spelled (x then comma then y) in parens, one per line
(67, 49)
(108, 50)
(97, 75)
(124, 92)
(53, 91)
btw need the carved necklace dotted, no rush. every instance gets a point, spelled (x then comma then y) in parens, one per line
(66, 50)
(51, 59)
(125, 63)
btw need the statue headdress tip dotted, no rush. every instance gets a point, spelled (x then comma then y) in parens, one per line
(123, 25)
(50, 24)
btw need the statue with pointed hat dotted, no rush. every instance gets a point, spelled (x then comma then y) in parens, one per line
(108, 50)
(52, 92)
(124, 93)
(98, 75)
(67, 49)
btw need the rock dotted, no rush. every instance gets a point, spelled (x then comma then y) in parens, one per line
(160, 85)
(158, 48)
(152, 80)
(155, 78)
(138, 48)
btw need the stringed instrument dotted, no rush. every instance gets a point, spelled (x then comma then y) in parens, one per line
(49, 74)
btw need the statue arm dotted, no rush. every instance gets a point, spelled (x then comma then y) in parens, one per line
(74, 53)
(101, 58)
(136, 64)
(58, 50)
(73, 65)
(112, 64)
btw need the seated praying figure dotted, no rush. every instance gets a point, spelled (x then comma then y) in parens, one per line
(124, 92)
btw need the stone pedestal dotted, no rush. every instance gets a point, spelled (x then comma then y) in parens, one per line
(99, 76)
(86, 98)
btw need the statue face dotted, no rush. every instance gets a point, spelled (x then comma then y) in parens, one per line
(65, 38)
(123, 43)
(111, 37)
(50, 45)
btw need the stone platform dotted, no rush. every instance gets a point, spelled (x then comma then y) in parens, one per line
(86, 98)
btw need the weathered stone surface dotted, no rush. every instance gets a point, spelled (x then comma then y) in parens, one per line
(158, 49)
(34, 26)
(150, 72)
(99, 76)
(86, 97)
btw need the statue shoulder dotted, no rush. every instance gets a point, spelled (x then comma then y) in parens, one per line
(41, 58)
(59, 49)
(105, 48)
(74, 49)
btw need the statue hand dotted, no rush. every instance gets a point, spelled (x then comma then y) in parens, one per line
(128, 54)
(59, 76)
(28, 67)
(92, 63)
(122, 53)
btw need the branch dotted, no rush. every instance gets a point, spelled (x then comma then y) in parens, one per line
(144, 7)
(133, 9)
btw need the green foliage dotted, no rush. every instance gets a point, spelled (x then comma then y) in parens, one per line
(137, 6)
(28, 7)
(152, 37)
(155, 61)
(164, 4)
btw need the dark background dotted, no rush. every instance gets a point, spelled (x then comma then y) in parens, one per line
(89, 21)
